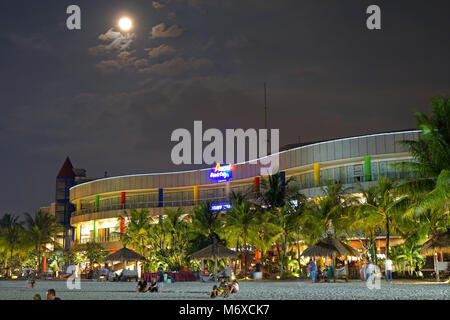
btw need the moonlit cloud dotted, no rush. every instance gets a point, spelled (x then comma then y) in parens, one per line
(162, 50)
(117, 42)
(160, 31)
(124, 60)
(157, 5)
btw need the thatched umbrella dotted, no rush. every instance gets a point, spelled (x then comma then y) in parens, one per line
(214, 251)
(123, 255)
(438, 243)
(330, 247)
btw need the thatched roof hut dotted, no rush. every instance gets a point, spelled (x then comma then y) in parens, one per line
(330, 247)
(438, 243)
(214, 250)
(124, 254)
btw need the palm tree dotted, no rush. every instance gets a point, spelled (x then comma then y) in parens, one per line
(429, 189)
(241, 221)
(136, 233)
(385, 207)
(205, 225)
(10, 233)
(364, 223)
(288, 220)
(329, 211)
(176, 225)
(39, 231)
(274, 194)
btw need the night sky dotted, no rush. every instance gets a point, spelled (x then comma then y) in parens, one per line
(111, 103)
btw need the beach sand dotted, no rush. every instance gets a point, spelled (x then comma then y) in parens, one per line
(277, 290)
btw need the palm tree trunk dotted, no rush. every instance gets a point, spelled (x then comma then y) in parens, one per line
(387, 238)
(374, 242)
(284, 254)
(237, 249)
(245, 253)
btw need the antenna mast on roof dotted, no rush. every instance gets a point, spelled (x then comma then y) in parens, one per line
(265, 107)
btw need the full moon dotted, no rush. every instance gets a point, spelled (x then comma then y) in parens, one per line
(125, 24)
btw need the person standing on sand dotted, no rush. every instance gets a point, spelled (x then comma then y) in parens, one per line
(388, 269)
(313, 270)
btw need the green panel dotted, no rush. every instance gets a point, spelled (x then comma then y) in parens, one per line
(367, 168)
(97, 202)
(95, 230)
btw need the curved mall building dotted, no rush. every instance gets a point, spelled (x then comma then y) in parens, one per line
(100, 204)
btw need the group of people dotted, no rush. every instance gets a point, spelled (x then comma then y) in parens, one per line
(51, 295)
(317, 273)
(224, 289)
(368, 270)
(152, 287)
(155, 284)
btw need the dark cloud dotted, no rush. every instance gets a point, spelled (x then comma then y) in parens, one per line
(162, 50)
(162, 31)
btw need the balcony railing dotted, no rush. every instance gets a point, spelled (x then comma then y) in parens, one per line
(151, 204)
(303, 184)
(111, 238)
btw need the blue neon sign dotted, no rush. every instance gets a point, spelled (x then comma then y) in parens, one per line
(220, 206)
(221, 173)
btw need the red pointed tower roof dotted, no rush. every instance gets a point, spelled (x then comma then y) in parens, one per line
(66, 170)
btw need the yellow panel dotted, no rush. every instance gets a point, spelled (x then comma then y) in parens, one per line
(195, 194)
(78, 235)
(316, 174)
(79, 205)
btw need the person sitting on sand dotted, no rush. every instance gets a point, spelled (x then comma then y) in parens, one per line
(214, 293)
(234, 288)
(153, 287)
(142, 285)
(224, 288)
(37, 297)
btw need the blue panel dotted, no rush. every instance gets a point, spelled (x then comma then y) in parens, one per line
(161, 197)
(283, 178)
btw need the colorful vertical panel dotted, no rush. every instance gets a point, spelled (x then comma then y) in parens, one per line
(367, 168)
(316, 174)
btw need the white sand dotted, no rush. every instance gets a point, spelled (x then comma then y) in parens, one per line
(292, 290)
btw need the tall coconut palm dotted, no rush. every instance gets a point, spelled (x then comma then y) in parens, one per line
(385, 207)
(329, 211)
(366, 224)
(288, 220)
(11, 231)
(274, 193)
(176, 225)
(205, 226)
(136, 232)
(429, 188)
(40, 230)
(241, 220)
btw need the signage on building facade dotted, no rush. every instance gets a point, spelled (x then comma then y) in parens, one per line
(221, 173)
